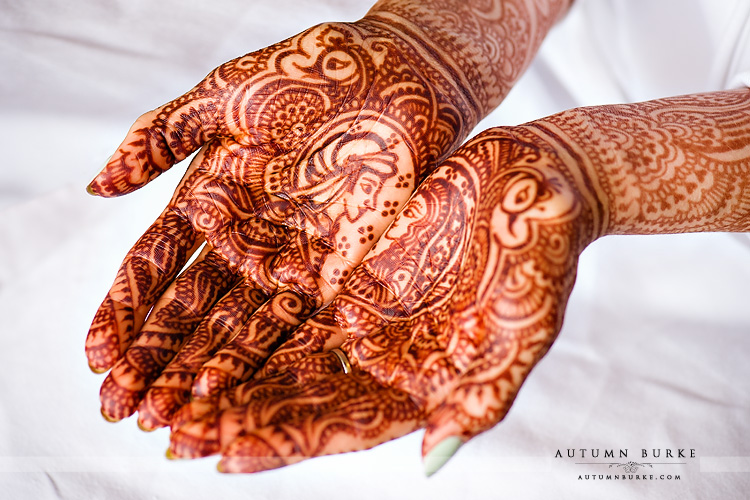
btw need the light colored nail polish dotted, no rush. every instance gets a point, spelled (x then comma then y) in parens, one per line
(170, 455)
(440, 454)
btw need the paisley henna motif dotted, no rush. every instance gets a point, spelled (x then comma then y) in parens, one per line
(466, 291)
(307, 150)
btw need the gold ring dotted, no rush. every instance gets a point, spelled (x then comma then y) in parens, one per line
(347, 367)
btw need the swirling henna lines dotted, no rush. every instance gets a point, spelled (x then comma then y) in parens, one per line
(521, 255)
(172, 389)
(395, 282)
(250, 347)
(338, 410)
(483, 47)
(146, 272)
(457, 359)
(665, 166)
(299, 371)
(173, 319)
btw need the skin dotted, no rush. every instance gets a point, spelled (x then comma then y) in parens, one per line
(459, 299)
(307, 150)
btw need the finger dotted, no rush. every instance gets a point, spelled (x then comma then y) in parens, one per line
(304, 371)
(360, 420)
(145, 273)
(174, 317)
(485, 392)
(172, 389)
(248, 350)
(361, 411)
(319, 333)
(160, 138)
(196, 435)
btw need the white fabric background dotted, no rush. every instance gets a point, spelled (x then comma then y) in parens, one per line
(653, 353)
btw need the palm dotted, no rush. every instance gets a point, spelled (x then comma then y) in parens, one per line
(452, 308)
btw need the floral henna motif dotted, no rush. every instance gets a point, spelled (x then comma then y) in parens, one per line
(491, 284)
(458, 338)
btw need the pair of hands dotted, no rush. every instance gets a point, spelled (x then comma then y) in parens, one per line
(443, 301)
(306, 152)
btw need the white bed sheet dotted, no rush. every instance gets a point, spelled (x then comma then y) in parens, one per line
(653, 353)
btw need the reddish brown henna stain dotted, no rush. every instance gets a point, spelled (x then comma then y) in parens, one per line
(466, 291)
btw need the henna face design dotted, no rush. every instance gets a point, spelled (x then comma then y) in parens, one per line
(307, 150)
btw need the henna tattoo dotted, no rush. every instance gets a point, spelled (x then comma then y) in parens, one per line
(670, 165)
(173, 387)
(146, 272)
(484, 45)
(489, 283)
(172, 320)
(466, 291)
(323, 409)
(454, 304)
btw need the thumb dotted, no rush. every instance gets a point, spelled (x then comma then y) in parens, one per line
(480, 400)
(456, 421)
(157, 140)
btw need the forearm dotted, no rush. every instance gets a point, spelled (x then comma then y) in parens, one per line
(483, 46)
(671, 165)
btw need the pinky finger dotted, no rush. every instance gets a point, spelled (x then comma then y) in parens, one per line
(147, 270)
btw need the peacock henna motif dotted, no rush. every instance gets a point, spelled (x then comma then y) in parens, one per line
(531, 199)
(306, 151)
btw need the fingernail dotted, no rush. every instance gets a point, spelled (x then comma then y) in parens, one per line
(440, 454)
(220, 467)
(96, 370)
(107, 417)
(90, 187)
(142, 427)
(170, 455)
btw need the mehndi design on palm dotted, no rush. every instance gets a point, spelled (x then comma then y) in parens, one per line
(445, 317)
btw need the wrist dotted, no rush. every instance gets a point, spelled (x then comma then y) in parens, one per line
(481, 50)
(673, 165)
